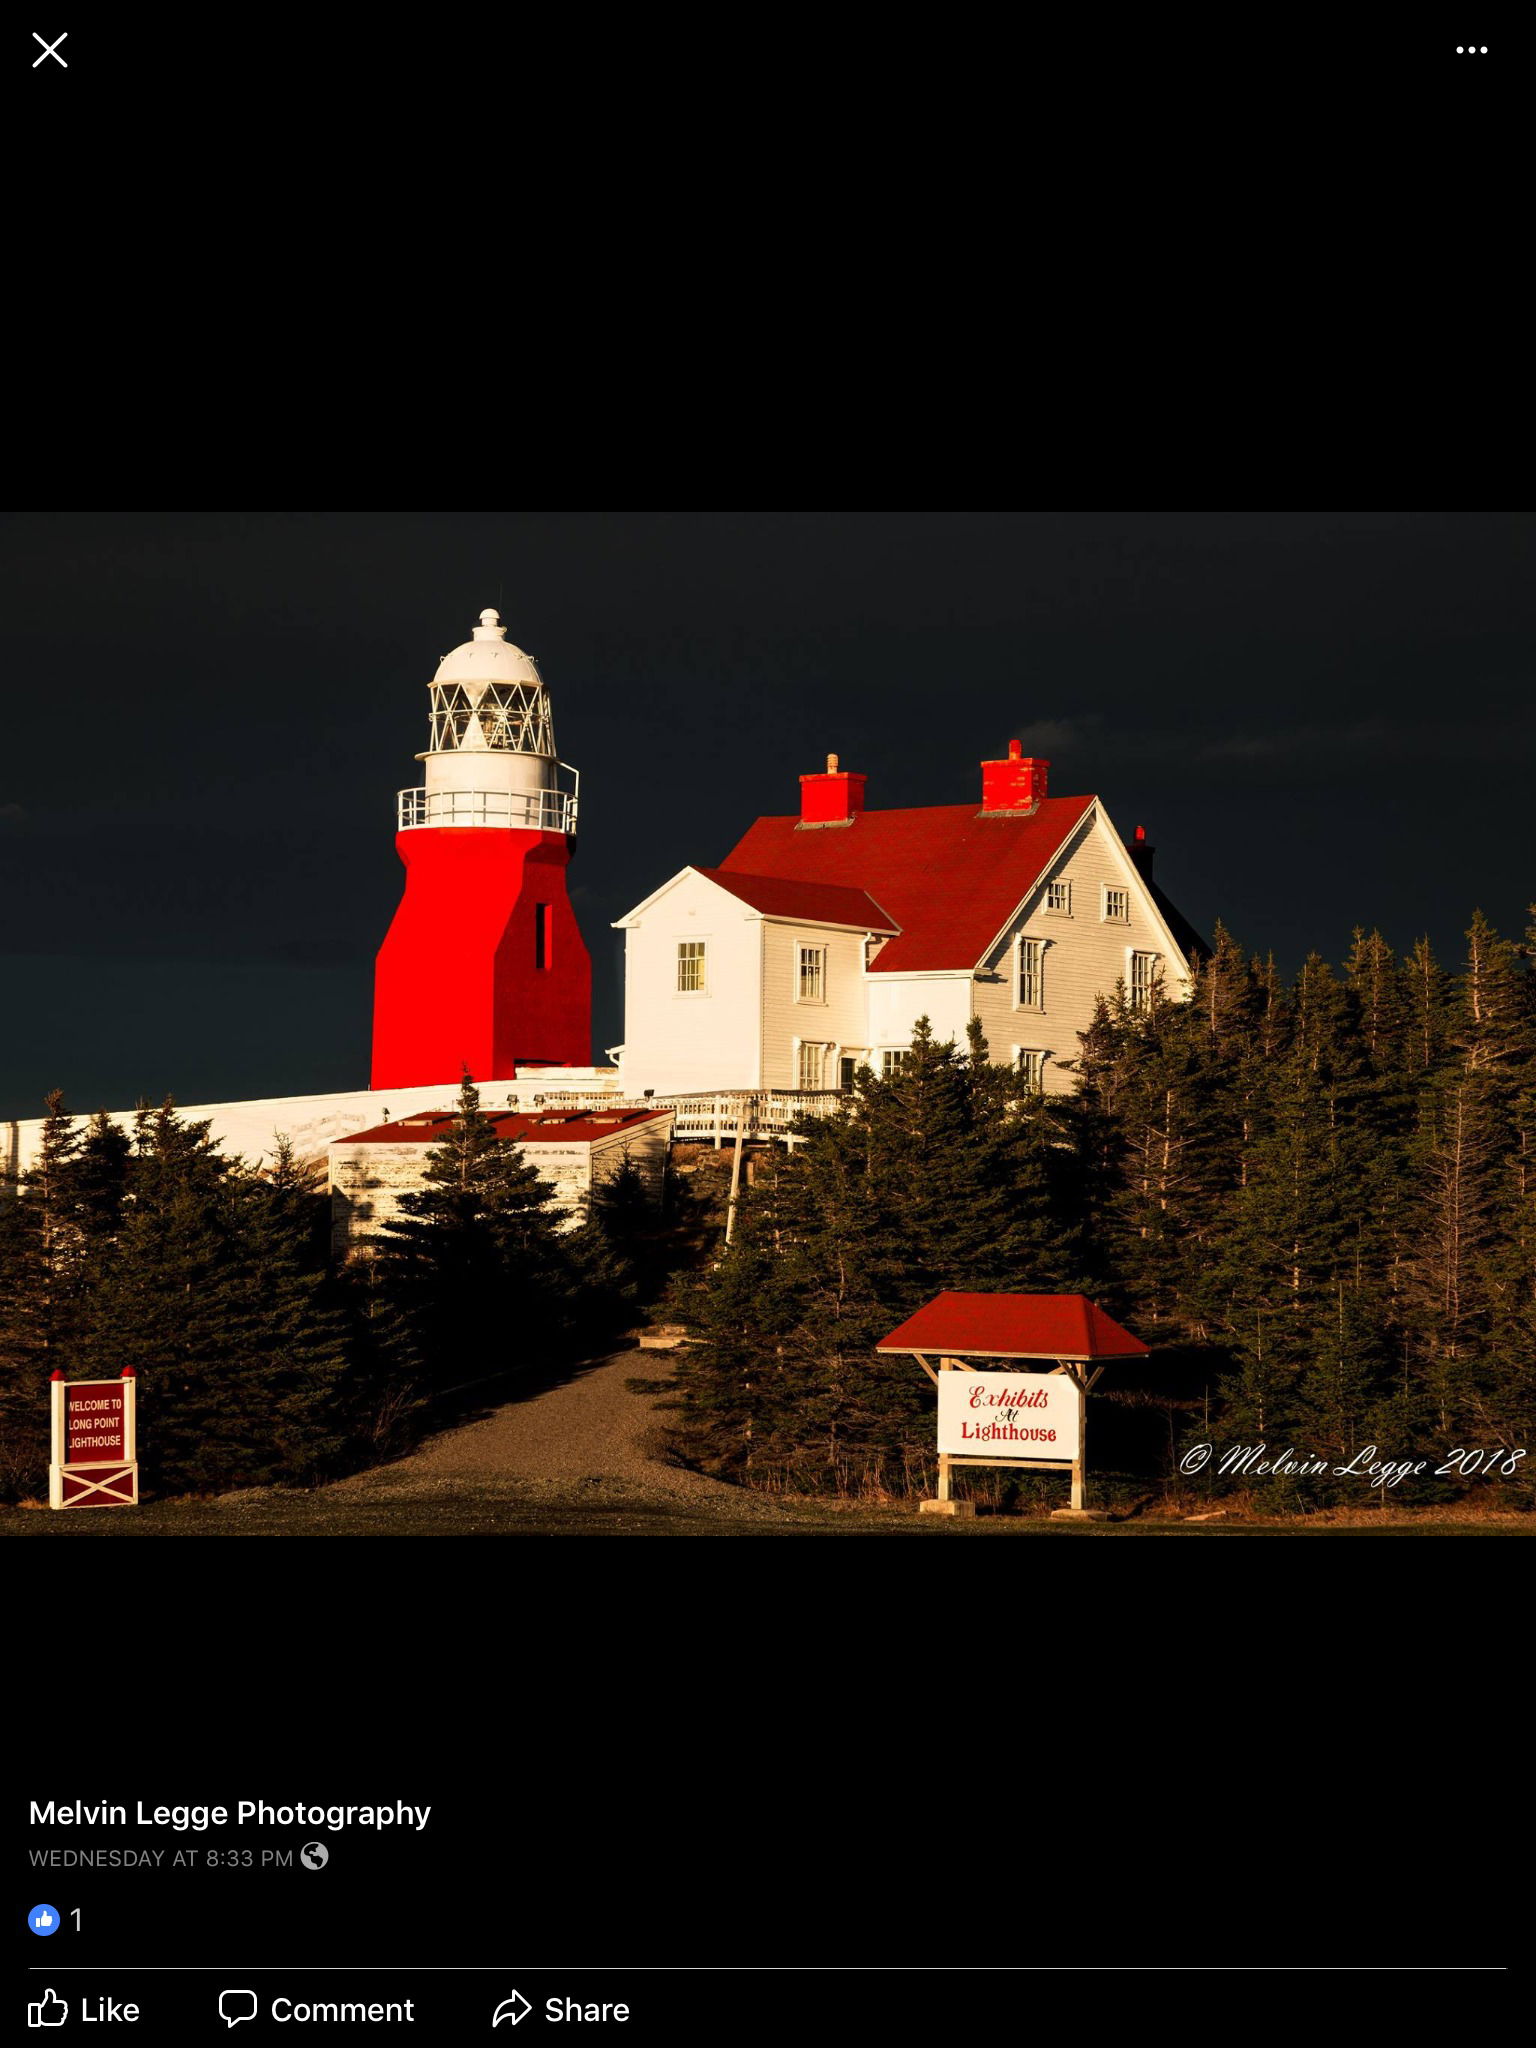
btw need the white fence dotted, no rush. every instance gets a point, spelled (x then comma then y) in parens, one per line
(716, 1117)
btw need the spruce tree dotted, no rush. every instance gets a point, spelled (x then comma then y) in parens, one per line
(40, 1289)
(475, 1258)
(204, 1290)
(279, 1280)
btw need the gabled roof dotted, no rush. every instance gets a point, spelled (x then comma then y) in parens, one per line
(1013, 1326)
(950, 876)
(816, 902)
(523, 1127)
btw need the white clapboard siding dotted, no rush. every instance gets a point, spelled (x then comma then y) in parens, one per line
(692, 1042)
(646, 1148)
(368, 1179)
(835, 1023)
(896, 1001)
(1084, 956)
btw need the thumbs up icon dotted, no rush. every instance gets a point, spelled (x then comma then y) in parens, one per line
(43, 1919)
(50, 2011)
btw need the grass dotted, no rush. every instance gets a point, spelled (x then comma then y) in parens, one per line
(503, 1513)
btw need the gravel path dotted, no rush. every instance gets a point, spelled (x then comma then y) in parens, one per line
(586, 1439)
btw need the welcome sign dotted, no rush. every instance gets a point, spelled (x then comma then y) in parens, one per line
(1008, 1415)
(95, 1448)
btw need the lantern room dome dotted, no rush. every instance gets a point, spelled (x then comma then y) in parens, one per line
(488, 656)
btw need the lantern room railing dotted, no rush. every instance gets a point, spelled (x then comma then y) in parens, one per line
(535, 810)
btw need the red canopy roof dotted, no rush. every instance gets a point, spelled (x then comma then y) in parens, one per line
(816, 902)
(950, 875)
(1013, 1326)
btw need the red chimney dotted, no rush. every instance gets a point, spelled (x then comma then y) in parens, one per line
(1016, 784)
(835, 798)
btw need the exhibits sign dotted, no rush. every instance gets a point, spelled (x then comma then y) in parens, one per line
(1009, 1415)
(95, 1448)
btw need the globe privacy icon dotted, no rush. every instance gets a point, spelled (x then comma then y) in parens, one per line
(44, 1919)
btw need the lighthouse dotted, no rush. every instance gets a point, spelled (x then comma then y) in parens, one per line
(484, 966)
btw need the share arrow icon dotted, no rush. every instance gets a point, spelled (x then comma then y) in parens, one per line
(514, 2008)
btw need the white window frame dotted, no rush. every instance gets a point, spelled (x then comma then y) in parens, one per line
(892, 1059)
(1141, 998)
(820, 1047)
(700, 960)
(821, 975)
(1034, 1079)
(1037, 1001)
(1115, 916)
(1064, 907)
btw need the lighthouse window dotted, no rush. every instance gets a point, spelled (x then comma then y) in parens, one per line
(813, 974)
(541, 935)
(690, 967)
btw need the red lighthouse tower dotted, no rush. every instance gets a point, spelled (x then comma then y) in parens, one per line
(484, 964)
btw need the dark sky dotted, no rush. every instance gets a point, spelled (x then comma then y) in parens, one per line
(1322, 719)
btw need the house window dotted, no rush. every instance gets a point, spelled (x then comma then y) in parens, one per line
(893, 1061)
(812, 1059)
(1117, 906)
(541, 935)
(1058, 898)
(847, 1067)
(1144, 968)
(813, 974)
(1031, 973)
(690, 967)
(1031, 1068)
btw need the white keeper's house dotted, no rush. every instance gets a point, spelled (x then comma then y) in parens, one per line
(820, 939)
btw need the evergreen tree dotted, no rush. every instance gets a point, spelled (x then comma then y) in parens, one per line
(204, 1291)
(1173, 1136)
(475, 1259)
(1431, 1000)
(1377, 980)
(279, 1281)
(40, 1280)
(98, 1180)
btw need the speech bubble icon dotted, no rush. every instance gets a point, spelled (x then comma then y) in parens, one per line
(235, 2006)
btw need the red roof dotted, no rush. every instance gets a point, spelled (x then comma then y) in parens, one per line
(816, 902)
(950, 876)
(536, 1127)
(1013, 1326)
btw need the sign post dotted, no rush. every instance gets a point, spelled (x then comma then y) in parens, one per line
(95, 1462)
